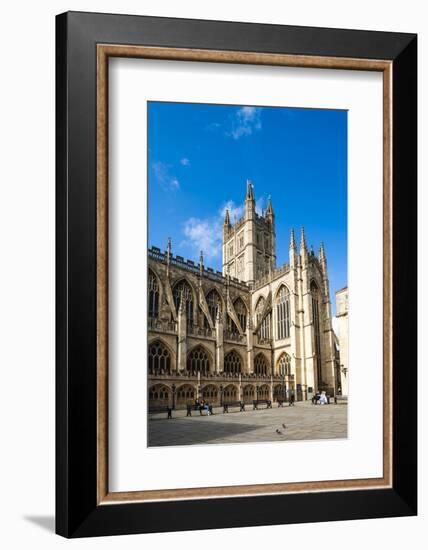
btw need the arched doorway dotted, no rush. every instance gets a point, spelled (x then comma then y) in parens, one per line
(185, 395)
(280, 392)
(263, 392)
(160, 396)
(230, 393)
(249, 393)
(211, 395)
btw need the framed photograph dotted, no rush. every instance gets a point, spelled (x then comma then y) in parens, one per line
(236, 247)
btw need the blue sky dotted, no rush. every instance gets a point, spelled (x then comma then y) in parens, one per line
(200, 156)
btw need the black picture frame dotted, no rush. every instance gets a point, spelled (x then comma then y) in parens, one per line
(77, 511)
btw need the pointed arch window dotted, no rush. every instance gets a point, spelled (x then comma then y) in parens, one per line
(284, 365)
(159, 358)
(153, 297)
(264, 330)
(198, 361)
(183, 288)
(283, 313)
(232, 363)
(259, 309)
(241, 313)
(214, 305)
(260, 365)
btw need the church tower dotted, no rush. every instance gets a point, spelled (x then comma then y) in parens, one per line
(249, 245)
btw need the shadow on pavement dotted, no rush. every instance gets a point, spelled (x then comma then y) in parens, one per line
(197, 432)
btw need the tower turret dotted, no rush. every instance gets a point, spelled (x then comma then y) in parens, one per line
(249, 250)
(270, 216)
(270, 224)
(250, 204)
(201, 263)
(168, 256)
(292, 240)
(226, 225)
(226, 222)
(250, 191)
(323, 263)
(303, 248)
(293, 251)
(322, 257)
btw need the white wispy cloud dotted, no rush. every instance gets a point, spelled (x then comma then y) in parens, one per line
(203, 234)
(260, 204)
(245, 122)
(206, 233)
(164, 178)
(185, 161)
(235, 211)
(213, 126)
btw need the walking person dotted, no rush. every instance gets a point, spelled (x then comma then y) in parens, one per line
(201, 406)
(291, 399)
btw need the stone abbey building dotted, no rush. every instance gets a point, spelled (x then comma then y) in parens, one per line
(254, 331)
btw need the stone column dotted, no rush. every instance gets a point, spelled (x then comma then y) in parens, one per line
(199, 386)
(309, 373)
(219, 343)
(249, 367)
(181, 336)
(327, 329)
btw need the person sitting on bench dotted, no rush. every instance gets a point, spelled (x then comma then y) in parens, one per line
(204, 406)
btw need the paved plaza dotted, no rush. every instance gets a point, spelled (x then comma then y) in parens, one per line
(303, 421)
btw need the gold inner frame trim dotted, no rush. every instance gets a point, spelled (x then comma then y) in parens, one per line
(104, 51)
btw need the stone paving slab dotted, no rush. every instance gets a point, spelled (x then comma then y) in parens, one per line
(304, 421)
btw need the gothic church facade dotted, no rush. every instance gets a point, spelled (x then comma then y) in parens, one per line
(252, 331)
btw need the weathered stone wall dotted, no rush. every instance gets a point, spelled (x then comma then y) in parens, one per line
(342, 335)
(304, 277)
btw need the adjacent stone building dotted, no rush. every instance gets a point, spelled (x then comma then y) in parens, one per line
(342, 338)
(252, 331)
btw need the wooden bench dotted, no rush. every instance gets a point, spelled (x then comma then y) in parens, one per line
(199, 408)
(341, 399)
(168, 410)
(280, 402)
(258, 402)
(228, 404)
(316, 401)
